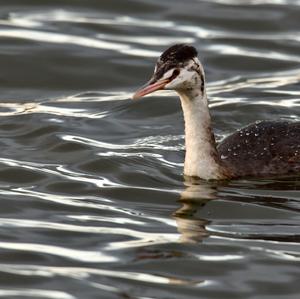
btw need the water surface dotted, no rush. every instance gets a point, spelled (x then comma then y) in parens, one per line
(93, 201)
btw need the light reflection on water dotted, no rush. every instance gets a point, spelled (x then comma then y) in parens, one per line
(93, 202)
(35, 293)
(258, 2)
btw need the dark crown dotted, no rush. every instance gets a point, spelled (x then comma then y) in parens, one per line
(179, 53)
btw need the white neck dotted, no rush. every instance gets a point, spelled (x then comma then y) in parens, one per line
(201, 158)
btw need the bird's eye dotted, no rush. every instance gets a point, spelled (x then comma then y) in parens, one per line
(176, 72)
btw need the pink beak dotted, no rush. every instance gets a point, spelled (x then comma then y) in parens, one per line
(149, 88)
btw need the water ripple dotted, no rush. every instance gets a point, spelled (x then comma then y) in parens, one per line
(35, 293)
(93, 202)
(83, 256)
(84, 272)
(60, 171)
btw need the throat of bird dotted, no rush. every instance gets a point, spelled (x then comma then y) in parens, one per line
(201, 158)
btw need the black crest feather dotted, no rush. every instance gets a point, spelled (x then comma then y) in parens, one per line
(179, 53)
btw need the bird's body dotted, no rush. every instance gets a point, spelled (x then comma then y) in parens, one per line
(265, 148)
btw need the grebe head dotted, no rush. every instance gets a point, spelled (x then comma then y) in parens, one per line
(178, 68)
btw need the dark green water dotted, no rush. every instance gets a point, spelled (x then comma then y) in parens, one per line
(93, 202)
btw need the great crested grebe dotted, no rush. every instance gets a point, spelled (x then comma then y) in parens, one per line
(265, 148)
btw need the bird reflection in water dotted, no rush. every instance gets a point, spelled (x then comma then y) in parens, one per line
(193, 198)
(191, 228)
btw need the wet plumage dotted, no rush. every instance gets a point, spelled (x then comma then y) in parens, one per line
(264, 148)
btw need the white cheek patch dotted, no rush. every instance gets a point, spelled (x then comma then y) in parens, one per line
(186, 75)
(181, 77)
(168, 74)
(179, 81)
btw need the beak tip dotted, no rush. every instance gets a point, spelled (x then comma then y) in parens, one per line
(149, 88)
(135, 96)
